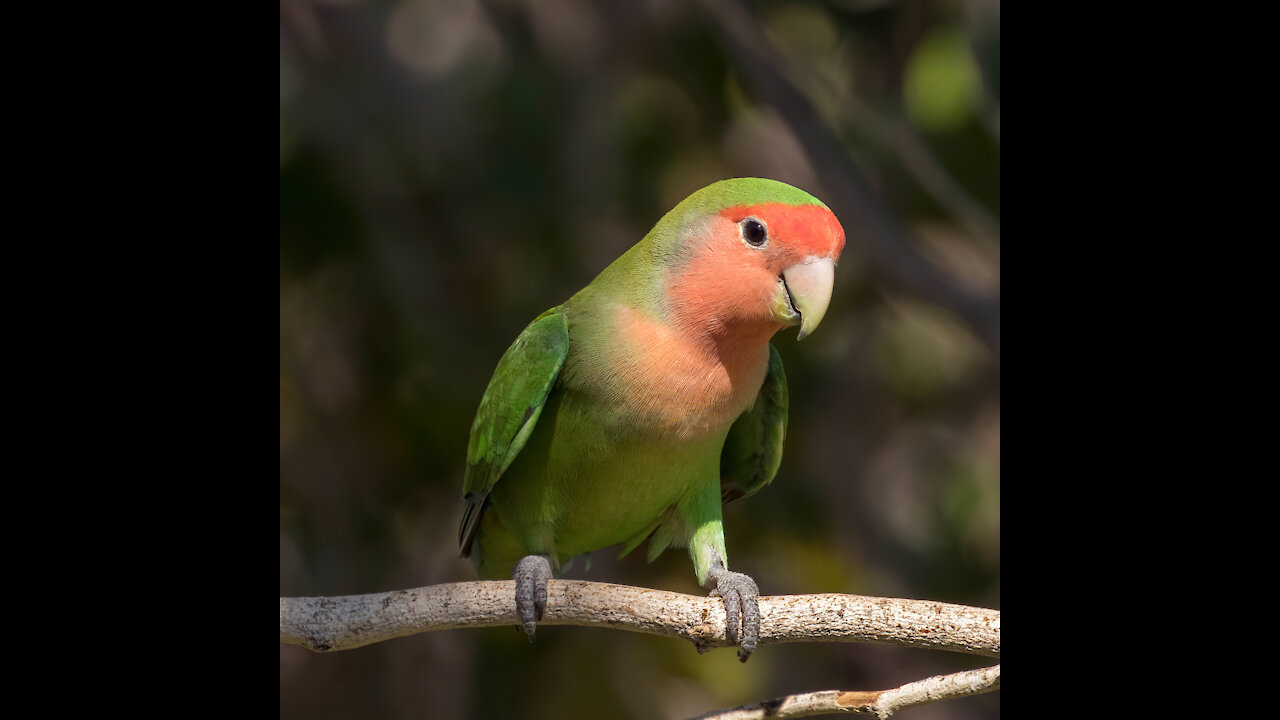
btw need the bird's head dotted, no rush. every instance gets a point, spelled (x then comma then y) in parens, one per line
(752, 253)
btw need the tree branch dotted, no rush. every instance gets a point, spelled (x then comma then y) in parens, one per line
(328, 624)
(882, 703)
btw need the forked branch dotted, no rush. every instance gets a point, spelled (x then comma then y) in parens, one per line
(882, 703)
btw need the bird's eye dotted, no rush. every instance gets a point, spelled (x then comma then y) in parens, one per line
(754, 233)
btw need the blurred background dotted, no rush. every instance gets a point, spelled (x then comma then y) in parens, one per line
(451, 168)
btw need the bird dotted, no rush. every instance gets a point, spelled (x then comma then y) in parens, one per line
(638, 407)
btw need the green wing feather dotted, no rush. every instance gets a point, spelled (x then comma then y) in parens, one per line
(753, 449)
(509, 411)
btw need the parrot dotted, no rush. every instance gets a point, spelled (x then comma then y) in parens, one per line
(638, 407)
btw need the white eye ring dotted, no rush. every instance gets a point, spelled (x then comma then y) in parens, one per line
(754, 232)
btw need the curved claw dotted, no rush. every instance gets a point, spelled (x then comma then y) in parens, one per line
(531, 576)
(741, 598)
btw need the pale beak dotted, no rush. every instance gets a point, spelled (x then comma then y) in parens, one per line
(806, 292)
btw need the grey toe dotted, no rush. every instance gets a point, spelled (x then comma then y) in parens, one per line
(531, 576)
(742, 609)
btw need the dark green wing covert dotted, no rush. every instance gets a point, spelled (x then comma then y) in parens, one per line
(509, 411)
(753, 449)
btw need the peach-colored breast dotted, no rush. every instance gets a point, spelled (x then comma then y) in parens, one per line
(685, 384)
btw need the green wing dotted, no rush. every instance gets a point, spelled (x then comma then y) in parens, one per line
(509, 411)
(753, 449)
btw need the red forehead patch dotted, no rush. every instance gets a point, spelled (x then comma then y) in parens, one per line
(811, 229)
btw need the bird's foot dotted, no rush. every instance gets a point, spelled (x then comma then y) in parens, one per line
(531, 576)
(741, 600)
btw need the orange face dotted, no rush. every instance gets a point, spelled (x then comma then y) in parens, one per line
(753, 267)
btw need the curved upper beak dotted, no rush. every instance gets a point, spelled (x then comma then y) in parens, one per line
(805, 293)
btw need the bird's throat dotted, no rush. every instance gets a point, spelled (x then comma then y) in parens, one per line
(688, 379)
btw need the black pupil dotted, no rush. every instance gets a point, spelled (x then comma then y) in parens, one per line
(754, 232)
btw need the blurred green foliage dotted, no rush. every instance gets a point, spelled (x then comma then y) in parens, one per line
(451, 168)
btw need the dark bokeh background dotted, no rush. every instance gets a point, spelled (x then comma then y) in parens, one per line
(451, 168)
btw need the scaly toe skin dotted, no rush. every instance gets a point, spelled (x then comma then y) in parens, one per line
(741, 597)
(531, 576)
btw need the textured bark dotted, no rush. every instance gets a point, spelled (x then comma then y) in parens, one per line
(327, 624)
